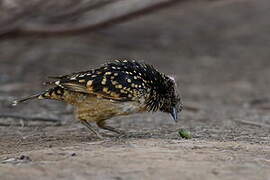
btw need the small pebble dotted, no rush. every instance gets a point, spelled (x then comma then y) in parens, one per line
(16, 160)
(24, 158)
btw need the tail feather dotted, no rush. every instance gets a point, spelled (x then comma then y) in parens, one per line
(55, 93)
(14, 103)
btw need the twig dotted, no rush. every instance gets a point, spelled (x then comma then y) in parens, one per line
(253, 123)
(87, 16)
(106, 15)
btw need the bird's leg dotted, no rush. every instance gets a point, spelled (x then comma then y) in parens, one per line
(91, 128)
(102, 125)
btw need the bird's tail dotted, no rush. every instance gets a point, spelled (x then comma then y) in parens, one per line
(53, 93)
(16, 102)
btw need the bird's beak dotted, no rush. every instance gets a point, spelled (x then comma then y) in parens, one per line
(174, 114)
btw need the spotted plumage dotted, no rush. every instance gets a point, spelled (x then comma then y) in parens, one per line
(116, 88)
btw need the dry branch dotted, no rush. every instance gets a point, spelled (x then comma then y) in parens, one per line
(72, 17)
(83, 17)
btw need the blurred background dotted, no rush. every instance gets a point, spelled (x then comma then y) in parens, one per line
(218, 50)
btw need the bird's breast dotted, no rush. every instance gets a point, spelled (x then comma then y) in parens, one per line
(95, 109)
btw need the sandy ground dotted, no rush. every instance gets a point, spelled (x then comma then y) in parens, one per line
(144, 159)
(220, 56)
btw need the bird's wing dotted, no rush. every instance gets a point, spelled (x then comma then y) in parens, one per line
(103, 82)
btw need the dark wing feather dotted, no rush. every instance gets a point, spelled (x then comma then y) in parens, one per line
(118, 80)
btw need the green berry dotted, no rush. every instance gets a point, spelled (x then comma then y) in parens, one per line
(185, 134)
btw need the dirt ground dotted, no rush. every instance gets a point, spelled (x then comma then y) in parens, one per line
(219, 54)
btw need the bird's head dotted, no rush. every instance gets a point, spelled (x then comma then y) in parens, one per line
(165, 97)
(172, 103)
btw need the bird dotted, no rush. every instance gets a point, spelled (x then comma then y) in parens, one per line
(116, 88)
